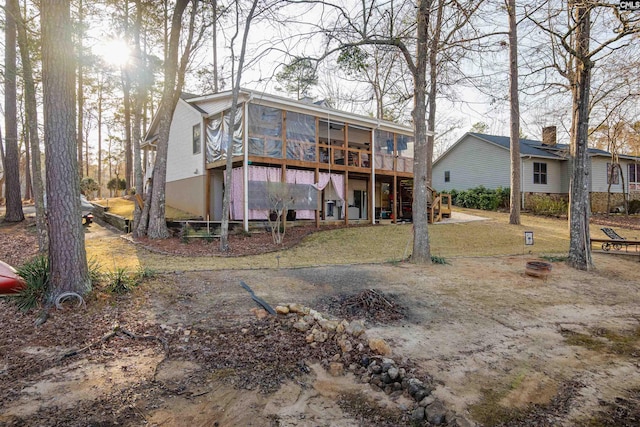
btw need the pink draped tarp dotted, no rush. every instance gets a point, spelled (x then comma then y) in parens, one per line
(294, 176)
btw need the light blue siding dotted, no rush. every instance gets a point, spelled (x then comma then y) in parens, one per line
(554, 176)
(472, 162)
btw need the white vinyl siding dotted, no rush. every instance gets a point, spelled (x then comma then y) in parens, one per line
(182, 163)
(472, 162)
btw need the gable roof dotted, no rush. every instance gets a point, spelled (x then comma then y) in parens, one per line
(531, 147)
(528, 147)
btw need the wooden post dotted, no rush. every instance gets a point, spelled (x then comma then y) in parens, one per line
(345, 205)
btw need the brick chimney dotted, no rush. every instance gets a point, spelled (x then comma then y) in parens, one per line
(549, 136)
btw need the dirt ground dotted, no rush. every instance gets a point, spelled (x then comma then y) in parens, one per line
(502, 348)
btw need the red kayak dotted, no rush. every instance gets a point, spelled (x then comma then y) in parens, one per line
(10, 282)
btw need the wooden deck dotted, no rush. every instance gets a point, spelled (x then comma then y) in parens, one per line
(629, 247)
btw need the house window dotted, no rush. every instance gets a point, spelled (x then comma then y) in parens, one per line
(539, 173)
(613, 177)
(196, 139)
(447, 176)
(634, 178)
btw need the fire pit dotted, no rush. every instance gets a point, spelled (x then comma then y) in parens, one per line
(538, 269)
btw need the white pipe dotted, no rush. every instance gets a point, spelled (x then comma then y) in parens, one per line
(372, 160)
(245, 164)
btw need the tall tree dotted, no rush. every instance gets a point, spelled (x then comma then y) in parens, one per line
(138, 104)
(298, 77)
(514, 204)
(570, 27)
(14, 212)
(67, 256)
(80, 81)
(226, 199)
(152, 221)
(31, 112)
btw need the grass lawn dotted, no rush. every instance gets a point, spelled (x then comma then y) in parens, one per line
(375, 244)
(124, 208)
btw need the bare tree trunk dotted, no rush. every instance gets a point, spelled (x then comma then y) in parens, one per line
(625, 200)
(80, 87)
(433, 74)
(28, 186)
(100, 88)
(14, 212)
(137, 116)
(214, 3)
(67, 256)
(157, 224)
(579, 206)
(514, 203)
(2, 177)
(31, 112)
(226, 200)
(421, 246)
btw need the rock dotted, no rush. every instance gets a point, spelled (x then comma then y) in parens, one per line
(309, 338)
(397, 386)
(413, 385)
(421, 394)
(379, 346)
(365, 361)
(374, 368)
(360, 347)
(355, 328)
(460, 421)
(301, 326)
(336, 369)
(328, 325)
(402, 373)
(436, 413)
(417, 415)
(427, 401)
(282, 309)
(316, 315)
(375, 380)
(298, 308)
(319, 335)
(388, 389)
(394, 373)
(260, 313)
(342, 326)
(336, 357)
(385, 378)
(388, 362)
(345, 345)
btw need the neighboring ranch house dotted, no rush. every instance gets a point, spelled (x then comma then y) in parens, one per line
(477, 159)
(340, 167)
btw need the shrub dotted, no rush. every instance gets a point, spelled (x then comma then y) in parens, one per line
(481, 198)
(439, 260)
(36, 275)
(88, 186)
(547, 205)
(120, 281)
(634, 206)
